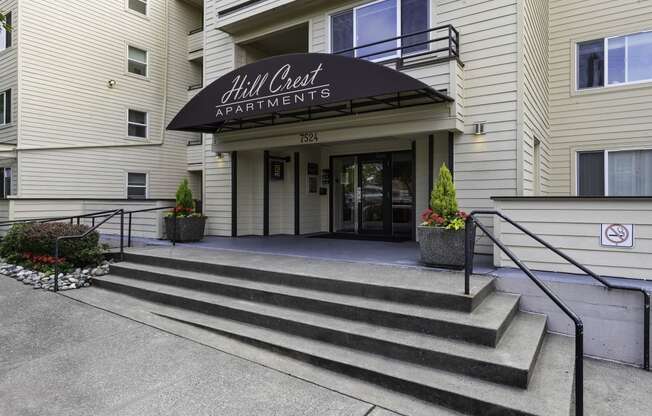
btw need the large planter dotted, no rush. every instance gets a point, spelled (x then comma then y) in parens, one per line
(441, 247)
(188, 229)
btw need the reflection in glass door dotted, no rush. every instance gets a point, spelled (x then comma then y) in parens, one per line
(345, 203)
(373, 194)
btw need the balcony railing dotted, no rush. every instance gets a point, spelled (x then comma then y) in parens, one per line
(413, 49)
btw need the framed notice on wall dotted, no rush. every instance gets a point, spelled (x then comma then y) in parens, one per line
(313, 184)
(277, 170)
(313, 169)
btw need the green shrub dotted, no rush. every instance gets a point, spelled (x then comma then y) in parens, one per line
(29, 241)
(443, 199)
(184, 195)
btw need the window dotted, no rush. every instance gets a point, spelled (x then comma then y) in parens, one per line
(377, 21)
(136, 185)
(5, 107)
(139, 6)
(137, 125)
(137, 61)
(5, 36)
(615, 173)
(614, 61)
(5, 184)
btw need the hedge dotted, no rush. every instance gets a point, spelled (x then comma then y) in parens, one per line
(25, 241)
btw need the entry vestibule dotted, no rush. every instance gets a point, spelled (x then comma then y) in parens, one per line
(370, 189)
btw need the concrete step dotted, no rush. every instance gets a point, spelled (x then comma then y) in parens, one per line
(510, 363)
(549, 393)
(440, 288)
(485, 325)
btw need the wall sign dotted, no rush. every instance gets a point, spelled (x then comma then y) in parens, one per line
(617, 235)
(277, 170)
(325, 177)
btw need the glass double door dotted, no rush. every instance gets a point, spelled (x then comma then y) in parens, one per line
(373, 194)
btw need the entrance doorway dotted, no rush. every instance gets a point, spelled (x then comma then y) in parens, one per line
(373, 195)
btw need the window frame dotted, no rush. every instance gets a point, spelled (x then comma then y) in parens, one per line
(6, 108)
(7, 39)
(146, 125)
(146, 63)
(605, 48)
(127, 186)
(606, 153)
(399, 26)
(6, 190)
(136, 12)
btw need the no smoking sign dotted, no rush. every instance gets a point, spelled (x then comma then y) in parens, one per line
(617, 235)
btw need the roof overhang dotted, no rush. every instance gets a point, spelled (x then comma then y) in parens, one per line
(300, 87)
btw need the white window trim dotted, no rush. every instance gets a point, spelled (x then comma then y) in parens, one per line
(398, 53)
(3, 116)
(7, 192)
(606, 164)
(3, 39)
(606, 63)
(146, 125)
(136, 186)
(137, 13)
(146, 76)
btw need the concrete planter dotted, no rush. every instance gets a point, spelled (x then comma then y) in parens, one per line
(441, 247)
(188, 229)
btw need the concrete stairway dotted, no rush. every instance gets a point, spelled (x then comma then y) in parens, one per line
(475, 354)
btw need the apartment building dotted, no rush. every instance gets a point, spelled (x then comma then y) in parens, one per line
(86, 95)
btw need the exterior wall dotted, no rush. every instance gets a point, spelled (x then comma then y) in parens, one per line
(534, 107)
(9, 72)
(615, 117)
(73, 140)
(573, 225)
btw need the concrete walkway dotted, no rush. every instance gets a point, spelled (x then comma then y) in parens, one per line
(62, 357)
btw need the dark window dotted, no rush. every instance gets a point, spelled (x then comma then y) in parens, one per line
(136, 185)
(5, 183)
(590, 174)
(414, 18)
(139, 6)
(5, 107)
(137, 61)
(590, 64)
(5, 35)
(137, 126)
(342, 32)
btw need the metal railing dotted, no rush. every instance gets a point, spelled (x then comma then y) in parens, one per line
(442, 42)
(472, 222)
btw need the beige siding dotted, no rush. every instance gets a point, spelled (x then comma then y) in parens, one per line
(615, 117)
(574, 226)
(9, 73)
(535, 90)
(73, 127)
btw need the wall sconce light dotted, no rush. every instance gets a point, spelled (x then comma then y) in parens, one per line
(478, 128)
(112, 83)
(220, 156)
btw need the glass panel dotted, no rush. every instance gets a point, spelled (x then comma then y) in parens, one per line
(136, 192)
(138, 5)
(3, 38)
(590, 174)
(375, 22)
(630, 173)
(345, 204)
(639, 49)
(7, 182)
(138, 68)
(372, 195)
(590, 64)
(342, 32)
(2, 108)
(137, 179)
(136, 130)
(414, 18)
(137, 54)
(616, 60)
(402, 194)
(139, 117)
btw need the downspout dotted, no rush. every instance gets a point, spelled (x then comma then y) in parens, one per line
(166, 53)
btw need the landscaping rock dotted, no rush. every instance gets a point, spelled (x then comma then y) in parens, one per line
(66, 281)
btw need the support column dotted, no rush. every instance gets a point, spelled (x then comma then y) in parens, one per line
(234, 194)
(266, 193)
(297, 194)
(451, 153)
(431, 167)
(414, 201)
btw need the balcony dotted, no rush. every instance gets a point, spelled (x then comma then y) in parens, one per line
(196, 44)
(194, 153)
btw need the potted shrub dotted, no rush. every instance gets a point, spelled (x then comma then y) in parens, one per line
(183, 222)
(441, 234)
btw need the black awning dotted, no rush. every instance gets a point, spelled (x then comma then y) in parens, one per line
(300, 87)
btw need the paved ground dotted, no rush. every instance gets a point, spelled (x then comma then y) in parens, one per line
(61, 357)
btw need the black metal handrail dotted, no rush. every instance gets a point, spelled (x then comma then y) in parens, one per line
(471, 223)
(120, 212)
(130, 216)
(452, 47)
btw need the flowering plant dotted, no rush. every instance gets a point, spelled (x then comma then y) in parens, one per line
(443, 210)
(185, 205)
(43, 259)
